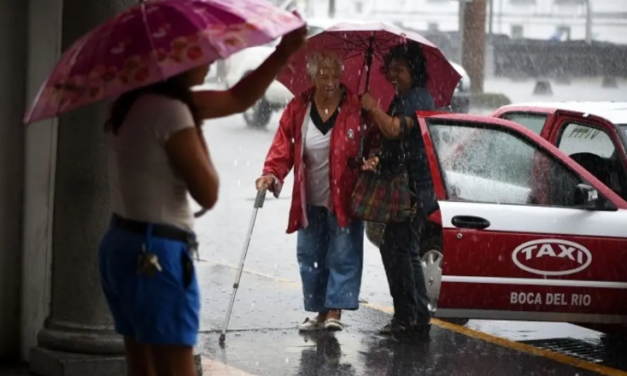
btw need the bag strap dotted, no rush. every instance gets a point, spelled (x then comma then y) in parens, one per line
(402, 140)
(362, 140)
(404, 128)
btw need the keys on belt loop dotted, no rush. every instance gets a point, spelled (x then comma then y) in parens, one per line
(193, 248)
(148, 263)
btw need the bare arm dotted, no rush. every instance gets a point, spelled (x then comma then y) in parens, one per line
(389, 126)
(214, 104)
(187, 151)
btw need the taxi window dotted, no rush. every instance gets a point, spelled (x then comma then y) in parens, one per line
(534, 122)
(594, 149)
(480, 163)
(581, 138)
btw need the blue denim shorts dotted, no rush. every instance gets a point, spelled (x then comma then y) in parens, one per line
(163, 309)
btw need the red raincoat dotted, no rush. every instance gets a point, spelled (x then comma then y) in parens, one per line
(287, 152)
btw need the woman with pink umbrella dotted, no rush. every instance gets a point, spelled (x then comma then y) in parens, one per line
(150, 57)
(158, 155)
(318, 136)
(402, 147)
(415, 76)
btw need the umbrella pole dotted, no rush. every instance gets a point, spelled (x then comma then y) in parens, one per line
(369, 55)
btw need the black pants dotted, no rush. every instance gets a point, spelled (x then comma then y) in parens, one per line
(400, 251)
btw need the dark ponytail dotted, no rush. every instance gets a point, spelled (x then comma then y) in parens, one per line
(173, 88)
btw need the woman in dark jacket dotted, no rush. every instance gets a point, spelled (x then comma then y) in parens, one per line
(400, 245)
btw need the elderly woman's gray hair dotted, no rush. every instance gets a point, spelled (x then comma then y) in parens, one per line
(323, 59)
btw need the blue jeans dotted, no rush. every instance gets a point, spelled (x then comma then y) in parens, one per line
(331, 261)
(163, 309)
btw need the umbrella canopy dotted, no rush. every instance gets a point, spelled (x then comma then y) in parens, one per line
(153, 41)
(362, 48)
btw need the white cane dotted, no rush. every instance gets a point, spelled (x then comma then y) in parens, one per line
(261, 196)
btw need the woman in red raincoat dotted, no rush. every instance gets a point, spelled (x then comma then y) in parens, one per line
(319, 136)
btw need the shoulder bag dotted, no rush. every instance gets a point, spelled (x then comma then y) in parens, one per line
(383, 196)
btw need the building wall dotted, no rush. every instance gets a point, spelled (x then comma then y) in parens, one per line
(539, 19)
(12, 76)
(44, 46)
(29, 38)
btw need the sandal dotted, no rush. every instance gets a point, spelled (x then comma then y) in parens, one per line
(311, 325)
(334, 325)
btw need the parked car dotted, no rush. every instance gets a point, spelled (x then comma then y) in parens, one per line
(277, 95)
(594, 134)
(553, 220)
(544, 243)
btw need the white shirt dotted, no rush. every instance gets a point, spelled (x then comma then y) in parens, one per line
(143, 184)
(316, 155)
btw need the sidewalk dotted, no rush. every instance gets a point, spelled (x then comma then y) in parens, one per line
(263, 340)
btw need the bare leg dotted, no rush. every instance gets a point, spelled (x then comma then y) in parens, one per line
(173, 360)
(138, 359)
(322, 316)
(335, 314)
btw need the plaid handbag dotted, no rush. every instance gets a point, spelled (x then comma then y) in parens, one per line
(383, 197)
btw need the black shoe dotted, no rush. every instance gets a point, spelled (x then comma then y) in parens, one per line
(396, 327)
(387, 329)
(421, 329)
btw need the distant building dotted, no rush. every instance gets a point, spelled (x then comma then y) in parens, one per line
(534, 19)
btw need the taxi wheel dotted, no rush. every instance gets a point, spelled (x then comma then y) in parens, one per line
(432, 258)
(432, 270)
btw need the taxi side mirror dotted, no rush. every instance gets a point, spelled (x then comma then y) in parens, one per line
(588, 198)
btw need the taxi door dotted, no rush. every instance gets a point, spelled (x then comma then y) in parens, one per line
(594, 143)
(508, 255)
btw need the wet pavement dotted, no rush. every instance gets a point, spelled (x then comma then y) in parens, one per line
(264, 340)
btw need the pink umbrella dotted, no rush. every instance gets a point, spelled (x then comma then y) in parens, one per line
(363, 47)
(153, 41)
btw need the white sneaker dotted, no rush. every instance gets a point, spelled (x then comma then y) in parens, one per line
(311, 325)
(334, 325)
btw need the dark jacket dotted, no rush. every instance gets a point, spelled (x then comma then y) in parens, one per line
(411, 147)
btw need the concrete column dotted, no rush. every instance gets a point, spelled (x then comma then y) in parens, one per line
(44, 45)
(474, 43)
(78, 338)
(12, 76)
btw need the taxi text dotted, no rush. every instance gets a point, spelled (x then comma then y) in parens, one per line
(582, 300)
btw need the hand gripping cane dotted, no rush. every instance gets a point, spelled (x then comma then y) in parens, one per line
(261, 196)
